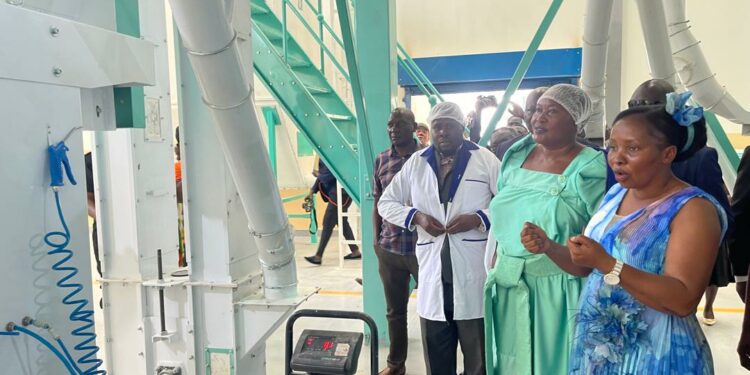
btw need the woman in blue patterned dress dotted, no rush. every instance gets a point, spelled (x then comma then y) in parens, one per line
(648, 251)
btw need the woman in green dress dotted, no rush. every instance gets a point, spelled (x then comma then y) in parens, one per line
(551, 180)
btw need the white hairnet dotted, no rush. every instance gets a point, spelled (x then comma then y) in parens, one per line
(446, 110)
(575, 101)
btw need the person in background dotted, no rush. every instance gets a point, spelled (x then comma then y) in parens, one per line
(555, 182)
(181, 258)
(739, 247)
(702, 170)
(325, 184)
(531, 100)
(423, 134)
(516, 121)
(505, 137)
(743, 348)
(91, 199)
(648, 251)
(394, 246)
(474, 118)
(443, 192)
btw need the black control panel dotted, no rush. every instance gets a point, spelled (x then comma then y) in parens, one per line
(327, 352)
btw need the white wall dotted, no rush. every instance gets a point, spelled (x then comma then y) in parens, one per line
(447, 27)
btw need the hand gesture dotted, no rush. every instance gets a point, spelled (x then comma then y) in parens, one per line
(515, 110)
(534, 239)
(586, 252)
(463, 223)
(429, 224)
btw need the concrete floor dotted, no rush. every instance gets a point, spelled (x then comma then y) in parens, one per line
(339, 291)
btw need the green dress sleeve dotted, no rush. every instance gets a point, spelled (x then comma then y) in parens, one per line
(591, 182)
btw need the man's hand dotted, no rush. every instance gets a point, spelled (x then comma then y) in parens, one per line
(429, 224)
(463, 223)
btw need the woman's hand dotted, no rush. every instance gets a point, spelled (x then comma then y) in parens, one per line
(534, 239)
(586, 252)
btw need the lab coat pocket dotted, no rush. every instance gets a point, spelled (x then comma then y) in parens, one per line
(471, 252)
(428, 258)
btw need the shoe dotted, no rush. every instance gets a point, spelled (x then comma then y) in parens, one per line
(314, 260)
(353, 256)
(393, 371)
(358, 280)
(709, 321)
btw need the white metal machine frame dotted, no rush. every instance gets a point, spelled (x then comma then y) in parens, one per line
(241, 279)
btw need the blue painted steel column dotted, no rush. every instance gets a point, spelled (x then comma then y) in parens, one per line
(375, 38)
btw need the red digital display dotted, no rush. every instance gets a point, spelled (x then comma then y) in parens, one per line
(319, 343)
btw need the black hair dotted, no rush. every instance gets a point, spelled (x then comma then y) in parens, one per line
(401, 113)
(665, 126)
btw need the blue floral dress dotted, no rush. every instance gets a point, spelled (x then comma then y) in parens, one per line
(616, 334)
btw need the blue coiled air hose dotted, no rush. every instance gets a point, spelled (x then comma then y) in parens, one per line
(58, 241)
(45, 342)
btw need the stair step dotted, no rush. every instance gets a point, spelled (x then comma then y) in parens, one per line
(275, 35)
(298, 64)
(256, 8)
(316, 90)
(335, 117)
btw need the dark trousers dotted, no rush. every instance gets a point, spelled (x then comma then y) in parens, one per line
(440, 341)
(395, 272)
(330, 220)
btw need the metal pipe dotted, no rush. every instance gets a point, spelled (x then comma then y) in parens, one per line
(654, 26)
(693, 68)
(162, 317)
(321, 19)
(284, 31)
(227, 91)
(594, 61)
(521, 70)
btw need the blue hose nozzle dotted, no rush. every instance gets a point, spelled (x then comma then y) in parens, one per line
(58, 159)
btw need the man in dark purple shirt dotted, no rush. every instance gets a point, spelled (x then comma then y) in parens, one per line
(394, 246)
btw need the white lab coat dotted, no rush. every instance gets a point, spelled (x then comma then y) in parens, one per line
(415, 188)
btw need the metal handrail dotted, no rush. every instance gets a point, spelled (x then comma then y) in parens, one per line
(323, 22)
(408, 61)
(316, 37)
(418, 81)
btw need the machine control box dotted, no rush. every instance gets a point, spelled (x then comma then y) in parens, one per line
(327, 352)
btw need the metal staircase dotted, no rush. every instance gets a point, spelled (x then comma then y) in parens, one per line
(306, 96)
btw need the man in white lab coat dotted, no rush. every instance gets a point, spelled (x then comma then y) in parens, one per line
(443, 192)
